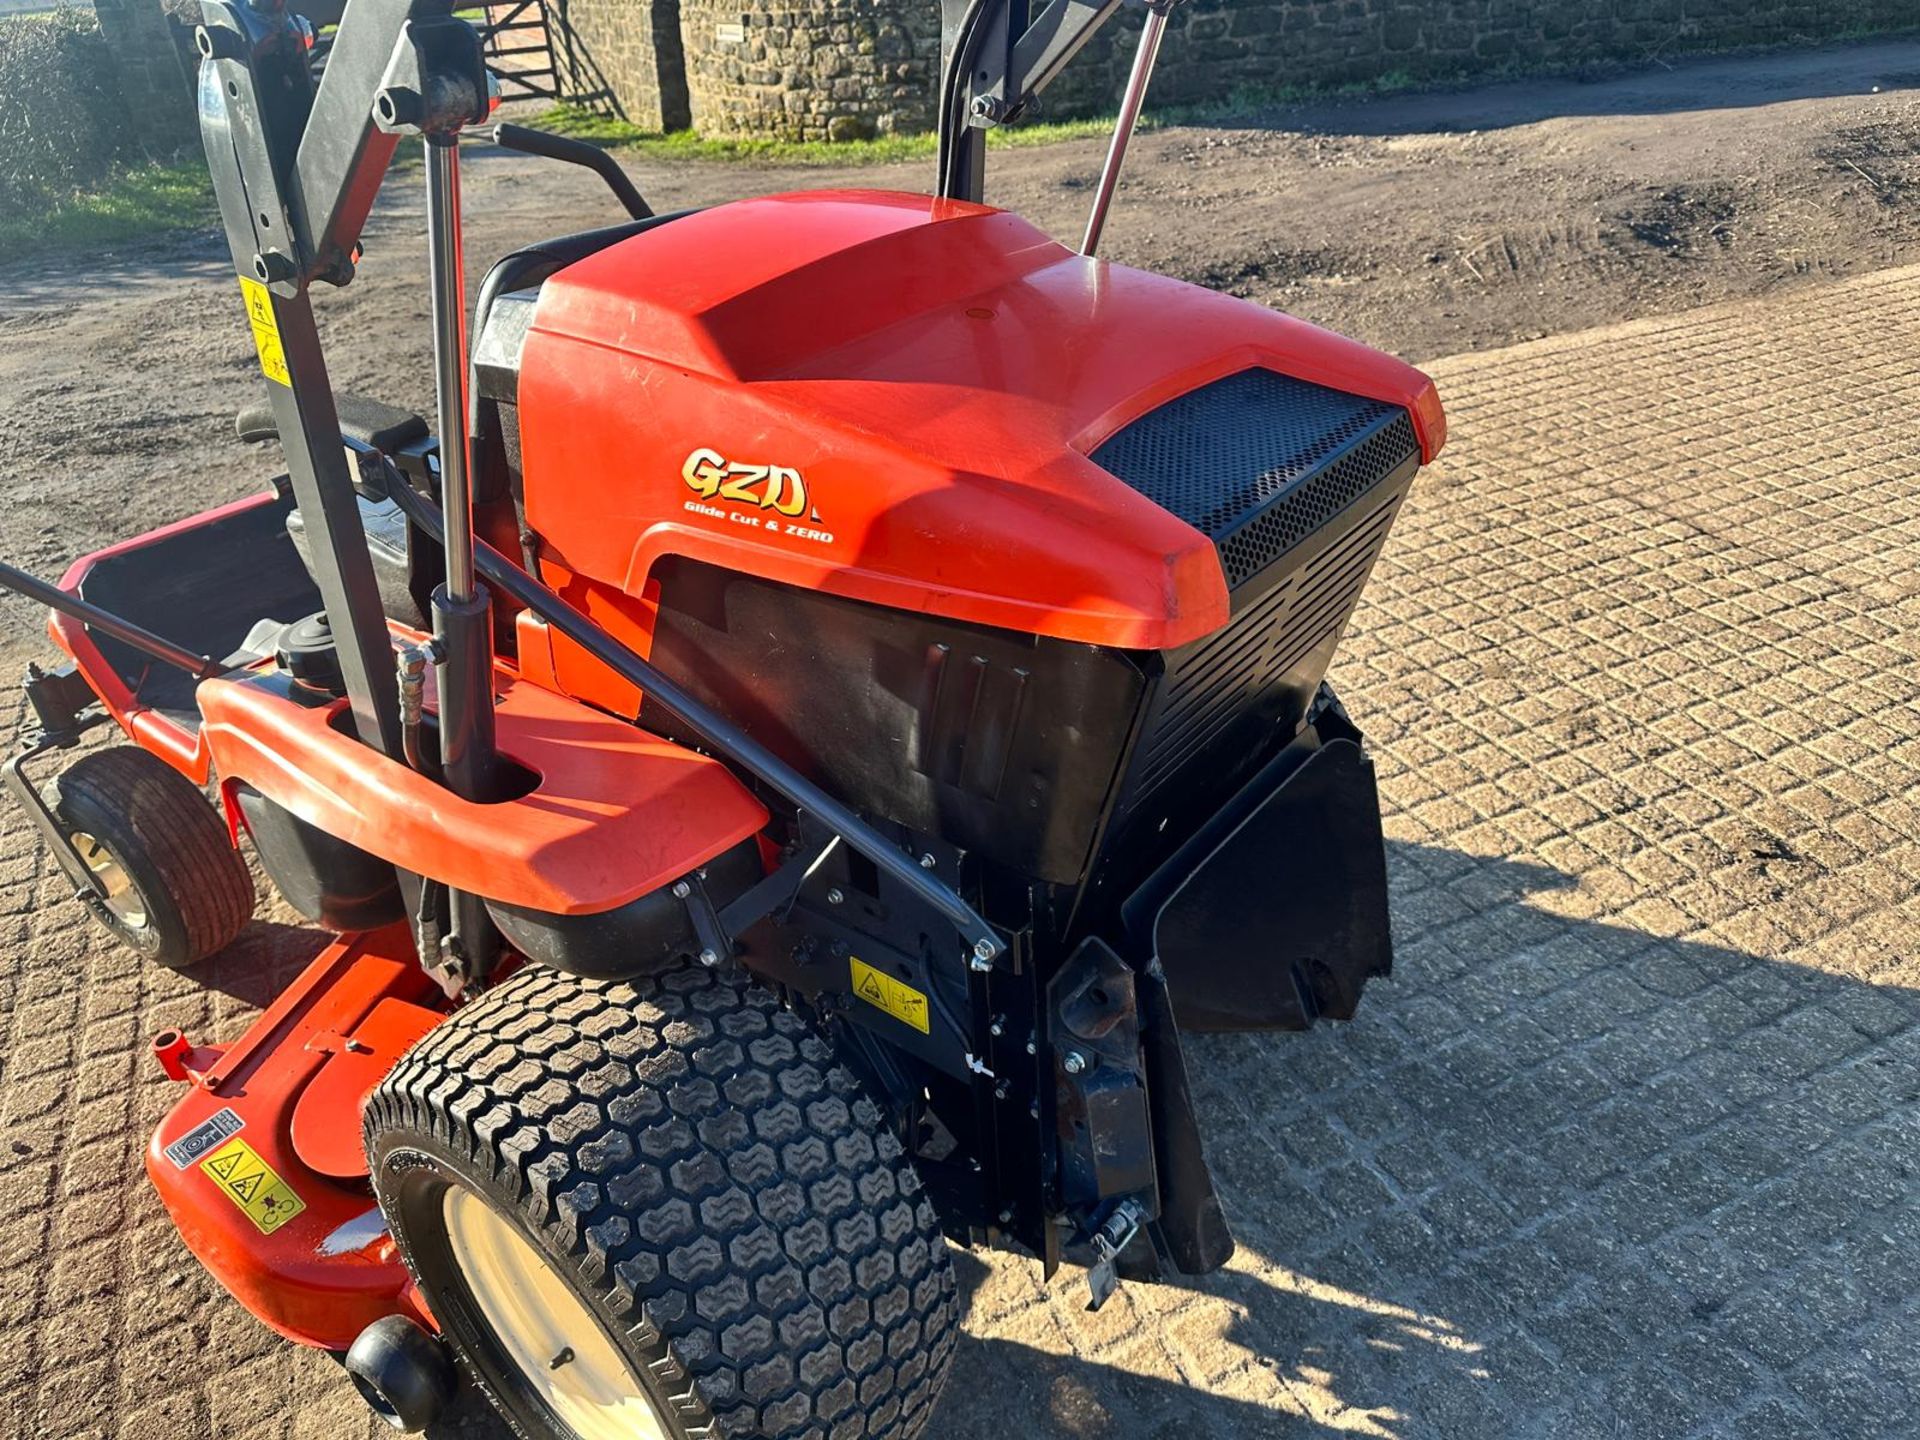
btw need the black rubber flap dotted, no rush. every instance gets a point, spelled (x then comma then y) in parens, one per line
(1285, 921)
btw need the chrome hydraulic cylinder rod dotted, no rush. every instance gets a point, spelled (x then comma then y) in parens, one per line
(1143, 61)
(462, 612)
(447, 282)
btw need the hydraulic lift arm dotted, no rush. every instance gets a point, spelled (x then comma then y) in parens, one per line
(296, 169)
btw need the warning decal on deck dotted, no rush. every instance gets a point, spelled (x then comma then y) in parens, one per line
(266, 331)
(221, 1125)
(896, 997)
(251, 1184)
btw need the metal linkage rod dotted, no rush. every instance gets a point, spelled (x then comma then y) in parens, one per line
(107, 623)
(1143, 61)
(984, 945)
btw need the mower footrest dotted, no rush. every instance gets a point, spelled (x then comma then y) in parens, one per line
(608, 813)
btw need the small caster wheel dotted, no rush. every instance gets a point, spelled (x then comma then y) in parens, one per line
(402, 1372)
(175, 889)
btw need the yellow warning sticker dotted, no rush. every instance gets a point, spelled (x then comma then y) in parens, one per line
(266, 331)
(251, 1184)
(896, 997)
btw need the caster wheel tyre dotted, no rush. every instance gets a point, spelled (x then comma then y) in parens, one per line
(658, 1210)
(402, 1372)
(177, 891)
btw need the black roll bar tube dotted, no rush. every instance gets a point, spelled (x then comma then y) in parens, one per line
(108, 623)
(497, 570)
(574, 152)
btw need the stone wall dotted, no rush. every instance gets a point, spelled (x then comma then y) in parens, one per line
(833, 69)
(844, 68)
(156, 66)
(623, 54)
(1217, 47)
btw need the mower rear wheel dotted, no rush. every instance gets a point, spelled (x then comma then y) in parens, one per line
(657, 1209)
(175, 889)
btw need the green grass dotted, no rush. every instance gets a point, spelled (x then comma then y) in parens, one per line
(598, 129)
(133, 203)
(584, 124)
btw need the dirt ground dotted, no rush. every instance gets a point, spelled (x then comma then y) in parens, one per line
(1425, 224)
(1626, 1147)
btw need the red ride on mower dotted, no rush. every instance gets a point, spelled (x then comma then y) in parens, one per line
(777, 763)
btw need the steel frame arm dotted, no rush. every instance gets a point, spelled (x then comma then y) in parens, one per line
(1010, 55)
(296, 172)
(343, 155)
(1055, 37)
(254, 109)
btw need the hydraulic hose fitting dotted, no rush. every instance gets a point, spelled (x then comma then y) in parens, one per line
(412, 662)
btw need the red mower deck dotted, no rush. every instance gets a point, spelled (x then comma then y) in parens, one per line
(260, 1162)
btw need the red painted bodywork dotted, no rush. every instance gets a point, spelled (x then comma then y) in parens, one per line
(936, 371)
(614, 813)
(307, 1279)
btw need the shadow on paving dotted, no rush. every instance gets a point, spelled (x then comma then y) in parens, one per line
(1559, 1176)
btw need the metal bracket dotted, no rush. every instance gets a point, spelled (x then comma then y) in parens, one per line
(435, 81)
(58, 699)
(1010, 55)
(1110, 1240)
(716, 945)
(86, 885)
(780, 889)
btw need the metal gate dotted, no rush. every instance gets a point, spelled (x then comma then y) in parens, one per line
(519, 46)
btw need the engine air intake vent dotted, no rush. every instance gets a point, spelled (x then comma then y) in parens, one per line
(1258, 461)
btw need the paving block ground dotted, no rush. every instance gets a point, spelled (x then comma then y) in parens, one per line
(1626, 1148)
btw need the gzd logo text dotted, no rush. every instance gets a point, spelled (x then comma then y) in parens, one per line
(773, 495)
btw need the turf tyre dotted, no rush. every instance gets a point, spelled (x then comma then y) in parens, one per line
(195, 892)
(688, 1158)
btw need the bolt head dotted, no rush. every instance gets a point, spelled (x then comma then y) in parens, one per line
(1074, 1062)
(274, 267)
(681, 889)
(927, 862)
(709, 959)
(834, 897)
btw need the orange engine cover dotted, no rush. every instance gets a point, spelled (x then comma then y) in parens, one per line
(892, 398)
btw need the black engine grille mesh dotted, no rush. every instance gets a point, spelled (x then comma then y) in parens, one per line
(1214, 682)
(1258, 461)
